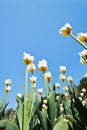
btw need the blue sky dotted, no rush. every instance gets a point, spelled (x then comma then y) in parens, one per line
(32, 26)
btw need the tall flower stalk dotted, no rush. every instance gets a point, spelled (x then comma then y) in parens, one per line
(28, 59)
(46, 91)
(25, 100)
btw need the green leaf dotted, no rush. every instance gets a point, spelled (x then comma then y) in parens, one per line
(57, 113)
(43, 119)
(67, 107)
(2, 109)
(51, 107)
(62, 125)
(19, 111)
(42, 114)
(8, 125)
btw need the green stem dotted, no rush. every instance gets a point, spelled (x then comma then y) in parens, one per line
(31, 103)
(83, 45)
(46, 91)
(25, 100)
(50, 87)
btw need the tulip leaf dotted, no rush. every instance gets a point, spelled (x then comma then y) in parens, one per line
(19, 112)
(43, 119)
(8, 125)
(62, 125)
(51, 107)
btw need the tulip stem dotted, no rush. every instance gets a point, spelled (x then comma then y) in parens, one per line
(25, 100)
(46, 91)
(78, 41)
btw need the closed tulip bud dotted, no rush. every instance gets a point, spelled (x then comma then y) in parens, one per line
(65, 89)
(83, 90)
(80, 98)
(81, 94)
(61, 105)
(57, 97)
(40, 90)
(84, 102)
(44, 106)
(19, 95)
(45, 101)
(61, 109)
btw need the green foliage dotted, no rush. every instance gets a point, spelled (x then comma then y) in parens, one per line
(42, 114)
(2, 109)
(8, 125)
(82, 84)
(62, 125)
(19, 112)
(79, 111)
(51, 107)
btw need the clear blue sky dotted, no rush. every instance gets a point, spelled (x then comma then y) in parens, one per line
(32, 26)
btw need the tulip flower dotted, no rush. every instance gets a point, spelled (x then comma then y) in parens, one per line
(66, 29)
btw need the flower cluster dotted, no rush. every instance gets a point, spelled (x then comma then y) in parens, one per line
(66, 30)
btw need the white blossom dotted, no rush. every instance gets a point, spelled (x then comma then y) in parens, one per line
(65, 89)
(66, 29)
(83, 90)
(57, 85)
(62, 69)
(7, 82)
(42, 65)
(28, 59)
(48, 76)
(8, 88)
(81, 94)
(45, 101)
(31, 67)
(62, 77)
(82, 37)
(83, 56)
(33, 79)
(40, 90)
(69, 79)
(19, 95)
(84, 102)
